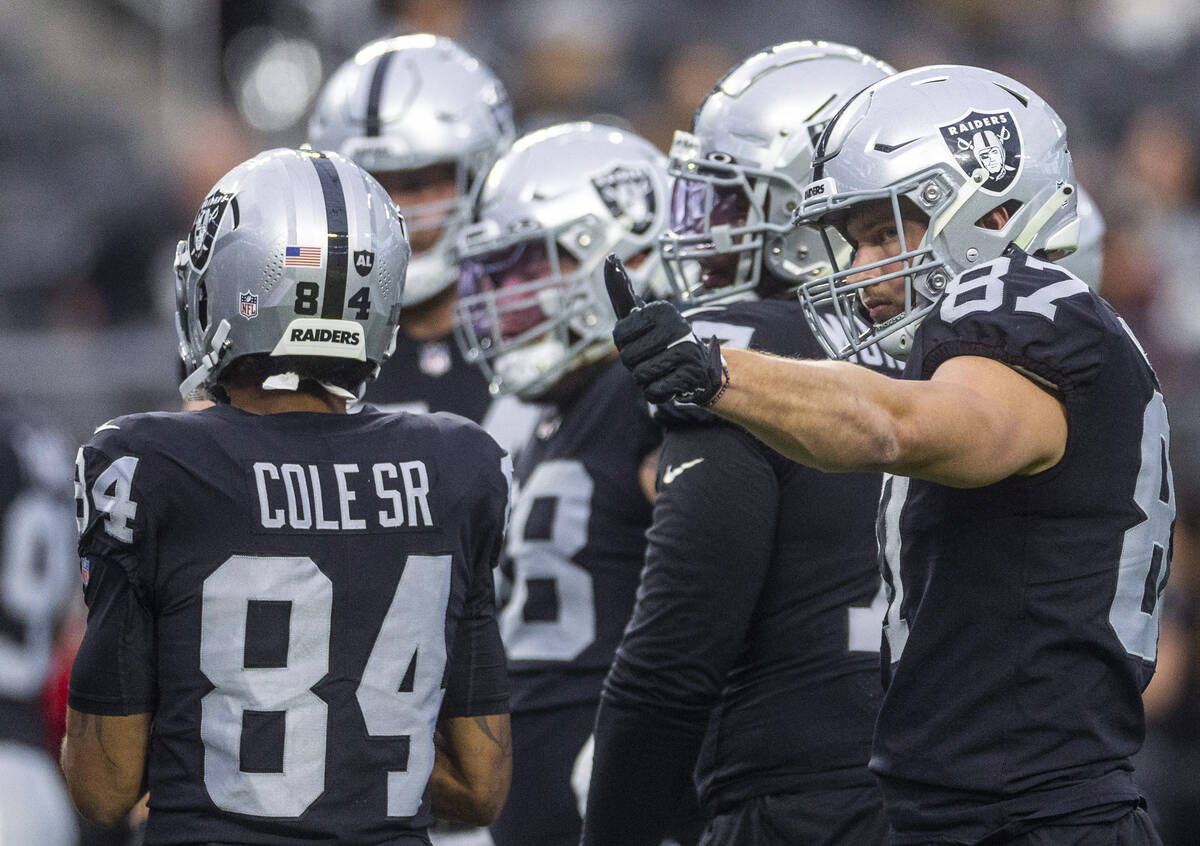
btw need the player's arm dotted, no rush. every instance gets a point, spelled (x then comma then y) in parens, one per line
(473, 768)
(708, 551)
(104, 762)
(472, 741)
(975, 422)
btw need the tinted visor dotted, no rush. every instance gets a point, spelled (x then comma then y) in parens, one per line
(506, 292)
(698, 205)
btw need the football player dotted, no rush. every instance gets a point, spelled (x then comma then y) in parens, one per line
(533, 313)
(427, 119)
(1025, 524)
(36, 567)
(291, 631)
(752, 656)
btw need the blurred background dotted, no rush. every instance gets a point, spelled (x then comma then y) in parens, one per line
(116, 116)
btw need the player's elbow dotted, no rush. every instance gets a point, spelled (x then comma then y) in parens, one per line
(879, 448)
(100, 811)
(486, 798)
(100, 793)
(102, 805)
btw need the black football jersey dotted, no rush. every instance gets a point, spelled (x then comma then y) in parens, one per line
(297, 598)
(37, 569)
(1023, 616)
(424, 376)
(761, 594)
(576, 541)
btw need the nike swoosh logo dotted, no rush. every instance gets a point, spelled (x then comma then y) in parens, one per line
(101, 428)
(672, 473)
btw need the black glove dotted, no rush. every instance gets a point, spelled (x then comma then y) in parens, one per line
(658, 346)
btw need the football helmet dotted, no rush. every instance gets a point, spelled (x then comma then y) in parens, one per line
(740, 172)
(293, 252)
(532, 303)
(955, 142)
(412, 102)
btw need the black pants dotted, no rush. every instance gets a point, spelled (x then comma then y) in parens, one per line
(1134, 829)
(852, 816)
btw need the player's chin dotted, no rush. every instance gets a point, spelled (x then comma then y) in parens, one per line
(717, 273)
(881, 314)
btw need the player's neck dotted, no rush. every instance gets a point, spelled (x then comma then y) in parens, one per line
(431, 319)
(257, 401)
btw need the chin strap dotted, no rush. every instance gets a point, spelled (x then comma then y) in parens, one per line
(196, 379)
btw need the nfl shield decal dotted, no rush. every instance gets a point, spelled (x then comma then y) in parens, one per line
(249, 304)
(207, 220)
(987, 140)
(629, 194)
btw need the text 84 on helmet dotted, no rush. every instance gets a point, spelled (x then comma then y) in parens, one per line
(293, 253)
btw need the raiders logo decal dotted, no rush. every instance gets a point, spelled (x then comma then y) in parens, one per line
(629, 194)
(987, 140)
(207, 220)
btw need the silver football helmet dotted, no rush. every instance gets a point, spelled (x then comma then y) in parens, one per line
(414, 103)
(293, 253)
(532, 303)
(955, 142)
(740, 172)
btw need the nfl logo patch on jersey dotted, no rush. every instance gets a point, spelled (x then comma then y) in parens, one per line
(249, 303)
(85, 570)
(435, 359)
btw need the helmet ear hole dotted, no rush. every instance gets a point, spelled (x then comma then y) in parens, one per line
(202, 305)
(998, 217)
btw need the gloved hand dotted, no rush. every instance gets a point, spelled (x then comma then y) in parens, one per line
(658, 346)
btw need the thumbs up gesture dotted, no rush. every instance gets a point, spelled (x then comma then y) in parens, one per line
(657, 345)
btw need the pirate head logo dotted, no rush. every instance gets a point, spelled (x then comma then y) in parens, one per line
(207, 220)
(987, 140)
(629, 194)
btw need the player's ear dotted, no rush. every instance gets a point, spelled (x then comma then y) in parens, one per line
(995, 219)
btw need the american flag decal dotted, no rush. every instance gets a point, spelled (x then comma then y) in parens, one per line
(302, 257)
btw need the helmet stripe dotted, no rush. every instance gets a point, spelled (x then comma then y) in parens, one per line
(376, 93)
(337, 252)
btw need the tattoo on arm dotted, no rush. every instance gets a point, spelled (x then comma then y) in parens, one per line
(505, 746)
(94, 722)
